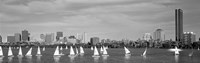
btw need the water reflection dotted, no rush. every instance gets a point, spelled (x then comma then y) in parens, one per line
(29, 59)
(176, 58)
(72, 59)
(56, 59)
(20, 59)
(1, 59)
(10, 59)
(38, 59)
(105, 59)
(96, 59)
(127, 57)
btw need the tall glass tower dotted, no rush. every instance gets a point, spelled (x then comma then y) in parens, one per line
(179, 25)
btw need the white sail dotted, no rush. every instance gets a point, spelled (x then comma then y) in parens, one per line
(81, 50)
(144, 53)
(76, 51)
(56, 51)
(66, 47)
(43, 49)
(198, 49)
(96, 53)
(10, 52)
(20, 51)
(92, 48)
(176, 51)
(61, 48)
(29, 52)
(105, 53)
(38, 51)
(101, 50)
(71, 51)
(1, 51)
(126, 50)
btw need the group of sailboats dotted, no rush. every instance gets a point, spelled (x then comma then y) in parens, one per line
(73, 54)
(10, 54)
(102, 50)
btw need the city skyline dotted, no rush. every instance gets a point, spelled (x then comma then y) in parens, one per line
(113, 19)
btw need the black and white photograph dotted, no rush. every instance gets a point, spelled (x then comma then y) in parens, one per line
(99, 31)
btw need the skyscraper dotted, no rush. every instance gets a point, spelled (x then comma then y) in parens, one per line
(179, 25)
(159, 35)
(59, 34)
(10, 38)
(0, 38)
(25, 35)
(17, 37)
(147, 36)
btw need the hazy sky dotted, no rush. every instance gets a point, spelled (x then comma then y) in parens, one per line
(114, 19)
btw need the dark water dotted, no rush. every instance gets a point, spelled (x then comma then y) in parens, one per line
(116, 56)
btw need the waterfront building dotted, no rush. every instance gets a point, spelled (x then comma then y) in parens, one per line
(42, 37)
(58, 35)
(49, 38)
(159, 35)
(179, 25)
(189, 37)
(10, 38)
(72, 40)
(25, 35)
(147, 36)
(94, 40)
(17, 37)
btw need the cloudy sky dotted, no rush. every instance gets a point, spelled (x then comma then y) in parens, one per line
(114, 19)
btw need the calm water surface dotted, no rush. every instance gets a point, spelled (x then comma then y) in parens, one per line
(116, 56)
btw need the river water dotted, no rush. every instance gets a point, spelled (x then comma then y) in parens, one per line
(116, 55)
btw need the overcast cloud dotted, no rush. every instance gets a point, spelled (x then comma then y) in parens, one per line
(114, 19)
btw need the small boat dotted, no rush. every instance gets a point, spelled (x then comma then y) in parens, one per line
(38, 52)
(61, 48)
(56, 53)
(92, 48)
(10, 54)
(81, 50)
(43, 49)
(101, 50)
(20, 51)
(71, 54)
(191, 54)
(145, 52)
(29, 52)
(105, 53)
(66, 47)
(1, 52)
(176, 50)
(96, 53)
(127, 52)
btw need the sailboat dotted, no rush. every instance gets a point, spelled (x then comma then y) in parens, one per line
(92, 48)
(10, 54)
(1, 52)
(38, 52)
(61, 48)
(29, 52)
(198, 49)
(56, 53)
(144, 53)
(105, 53)
(43, 49)
(127, 52)
(101, 50)
(76, 51)
(176, 50)
(81, 50)
(96, 53)
(71, 54)
(66, 47)
(191, 54)
(20, 51)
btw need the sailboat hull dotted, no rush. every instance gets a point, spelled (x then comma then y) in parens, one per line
(105, 55)
(95, 56)
(127, 54)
